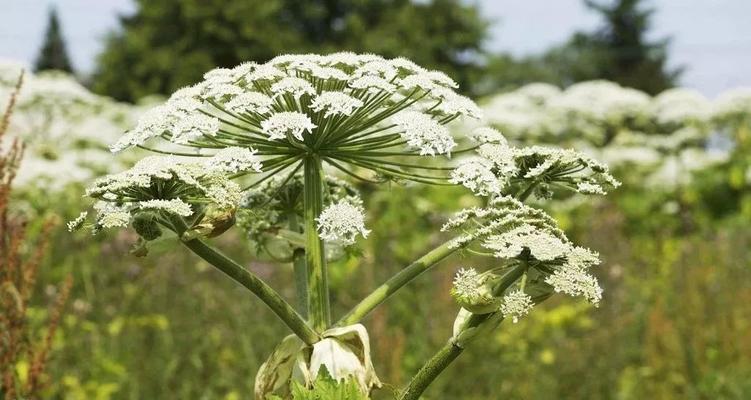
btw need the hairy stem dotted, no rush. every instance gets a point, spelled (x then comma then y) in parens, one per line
(318, 291)
(403, 277)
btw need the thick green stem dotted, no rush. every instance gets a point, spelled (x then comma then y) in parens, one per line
(318, 291)
(264, 292)
(300, 269)
(427, 374)
(402, 278)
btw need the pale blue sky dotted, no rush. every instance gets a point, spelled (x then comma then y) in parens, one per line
(712, 38)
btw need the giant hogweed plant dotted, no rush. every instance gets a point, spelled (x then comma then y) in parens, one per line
(278, 146)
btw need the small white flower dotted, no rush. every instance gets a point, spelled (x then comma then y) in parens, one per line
(250, 102)
(264, 72)
(330, 73)
(76, 224)
(344, 58)
(589, 188)
(342, 222)
(219, 75)
(474, 291)
(152, 124)
(220, 91)
(458, 104)
(335, 103)
(542, 245)
(373, 84)
(294, 123)
(234, 159)
(539, 169)
(193, 126)
(297, 87)
(467, 282)
(223, 192)
(485, 134)
(173, 206)
(475, 174)
(575, 281)
(516, 305)
(421, 81)
(406, 65)
(111, 215)
(442, 79)
(502, 156)
(380, 68)
(422, 132)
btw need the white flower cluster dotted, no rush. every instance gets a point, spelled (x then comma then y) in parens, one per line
(335, 103)
(342, 222)
(278, 101)
(499, 164)
(170, 185)
(652, 136)
(542, 245)
(733, 106)
(572, 277)
(64, 128)
(515, 231)
(680, 106)
(597, 111)
(516, 305)
(279, 125)
(421, 131)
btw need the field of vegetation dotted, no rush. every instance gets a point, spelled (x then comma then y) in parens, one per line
(117, 315)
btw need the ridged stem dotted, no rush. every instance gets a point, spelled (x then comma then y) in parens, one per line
(319, 312)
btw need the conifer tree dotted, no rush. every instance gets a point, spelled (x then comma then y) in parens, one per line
(53, 54)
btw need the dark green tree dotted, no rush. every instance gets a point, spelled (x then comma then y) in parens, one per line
(171, 43)
(618, 51)
(53, 54)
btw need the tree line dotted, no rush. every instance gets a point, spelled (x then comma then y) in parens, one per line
(169, 44)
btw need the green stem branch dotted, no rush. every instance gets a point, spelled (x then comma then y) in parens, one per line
(264, 292)
(403, 277)
(427, 374)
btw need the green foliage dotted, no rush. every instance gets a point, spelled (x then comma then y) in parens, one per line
(53, 54)
(169, 44)
(326, 388)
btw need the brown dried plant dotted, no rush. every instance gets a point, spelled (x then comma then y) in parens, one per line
(20, 259)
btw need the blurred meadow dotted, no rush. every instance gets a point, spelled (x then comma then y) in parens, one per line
(675, 241)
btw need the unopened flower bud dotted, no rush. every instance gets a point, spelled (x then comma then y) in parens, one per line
(474, 291)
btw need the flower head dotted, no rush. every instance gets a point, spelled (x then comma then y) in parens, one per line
(279, 125)
(335, 103)
(342, 222)
(474, 291)
(516, 305)
(421, 131)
